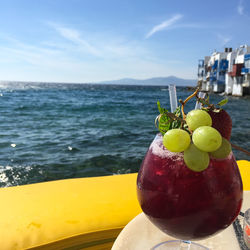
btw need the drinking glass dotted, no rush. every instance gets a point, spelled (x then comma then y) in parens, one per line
(185, 204)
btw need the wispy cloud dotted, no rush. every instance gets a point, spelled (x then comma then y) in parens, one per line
(75, 37)
(39, 64)
(71, 54)
(223, 39)
(101, 45)
(65, 57)
(164, 25)
(240, 8)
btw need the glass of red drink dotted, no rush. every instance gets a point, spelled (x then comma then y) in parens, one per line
(185, 204)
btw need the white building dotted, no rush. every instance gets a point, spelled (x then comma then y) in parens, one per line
(228, 78)
(220, 69)
(202, 72)
(238, 77)
(227, 71)
(211, 72)
(246, 74)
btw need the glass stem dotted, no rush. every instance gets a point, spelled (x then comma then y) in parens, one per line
(185, 245)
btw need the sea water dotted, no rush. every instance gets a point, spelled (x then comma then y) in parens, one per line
(54, 131)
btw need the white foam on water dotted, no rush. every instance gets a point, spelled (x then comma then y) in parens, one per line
(122, 171)
(3, 177)
(11, 175)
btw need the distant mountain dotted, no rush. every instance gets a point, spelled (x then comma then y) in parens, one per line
(157, 81)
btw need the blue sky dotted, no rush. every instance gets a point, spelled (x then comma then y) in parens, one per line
(96, 40)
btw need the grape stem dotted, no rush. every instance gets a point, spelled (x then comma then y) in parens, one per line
(186, 100)
(241, 149)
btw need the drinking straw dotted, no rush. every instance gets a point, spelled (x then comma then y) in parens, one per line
(198, 104)
(172, 97)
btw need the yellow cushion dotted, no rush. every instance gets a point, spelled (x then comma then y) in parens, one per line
(86, 212)
(244, 167)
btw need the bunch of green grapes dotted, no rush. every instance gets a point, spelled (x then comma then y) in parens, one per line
(200, 143)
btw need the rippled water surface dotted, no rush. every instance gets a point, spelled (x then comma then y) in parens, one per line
(56, 131)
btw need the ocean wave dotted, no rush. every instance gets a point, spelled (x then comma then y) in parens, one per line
(102, 165)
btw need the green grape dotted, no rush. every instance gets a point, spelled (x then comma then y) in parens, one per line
(176, 140)
(196, 159)
(197, 118)
(207, 139)
(223, 151)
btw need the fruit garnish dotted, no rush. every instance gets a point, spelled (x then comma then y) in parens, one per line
(223, 102)
(207, 139)
(200, 134)
(221, 121)
(196, 159)
(167, 120)
(223, 151)
(197, 118)
(176, 140)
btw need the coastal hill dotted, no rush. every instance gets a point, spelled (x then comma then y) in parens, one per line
(157, 81)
